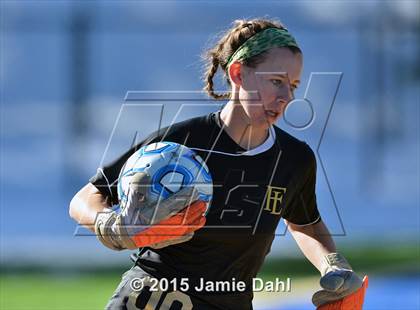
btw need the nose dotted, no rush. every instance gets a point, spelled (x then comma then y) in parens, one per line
(285, 95)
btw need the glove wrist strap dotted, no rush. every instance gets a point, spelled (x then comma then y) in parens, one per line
(103, 229)
(334, 261)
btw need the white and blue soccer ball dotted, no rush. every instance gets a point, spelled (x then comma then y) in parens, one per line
(171, 166)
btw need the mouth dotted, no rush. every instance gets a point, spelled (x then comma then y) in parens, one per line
(272, 113)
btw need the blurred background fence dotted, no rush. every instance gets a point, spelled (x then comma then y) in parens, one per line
(66, 68)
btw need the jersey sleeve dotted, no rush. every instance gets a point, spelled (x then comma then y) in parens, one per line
(106, 177)
(302, 209)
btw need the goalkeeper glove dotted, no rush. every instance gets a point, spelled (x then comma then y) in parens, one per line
(337, 280)
(142, 223)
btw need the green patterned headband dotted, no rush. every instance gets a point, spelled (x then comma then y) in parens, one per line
(260, 42)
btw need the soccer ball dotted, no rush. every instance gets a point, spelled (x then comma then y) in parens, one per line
(171, 166)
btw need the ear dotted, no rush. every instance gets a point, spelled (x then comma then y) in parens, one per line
(235, 73)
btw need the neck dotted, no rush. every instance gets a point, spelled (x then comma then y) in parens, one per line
(238, 126)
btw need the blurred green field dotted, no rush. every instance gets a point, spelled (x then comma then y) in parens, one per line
(45, 289)
(44, 292)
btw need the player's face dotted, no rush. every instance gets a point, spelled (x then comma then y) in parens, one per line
(267, 89)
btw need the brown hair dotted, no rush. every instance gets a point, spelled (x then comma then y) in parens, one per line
(229, 42)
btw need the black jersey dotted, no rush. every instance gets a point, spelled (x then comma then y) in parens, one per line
(250, 195)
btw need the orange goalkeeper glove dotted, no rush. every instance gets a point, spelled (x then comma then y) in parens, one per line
(338, 280)
(143, 223)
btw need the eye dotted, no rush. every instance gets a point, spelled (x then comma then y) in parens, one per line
(277, 82)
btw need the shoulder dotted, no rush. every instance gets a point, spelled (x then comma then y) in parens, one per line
(297, 150)
(182, 130)
(199, 122)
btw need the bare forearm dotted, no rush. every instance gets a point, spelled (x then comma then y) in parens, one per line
(86, 204)
(314, 241)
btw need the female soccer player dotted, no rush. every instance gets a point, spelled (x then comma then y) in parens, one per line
(260, 175)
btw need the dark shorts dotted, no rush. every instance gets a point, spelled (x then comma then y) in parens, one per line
(138, 290)
(135, 292)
